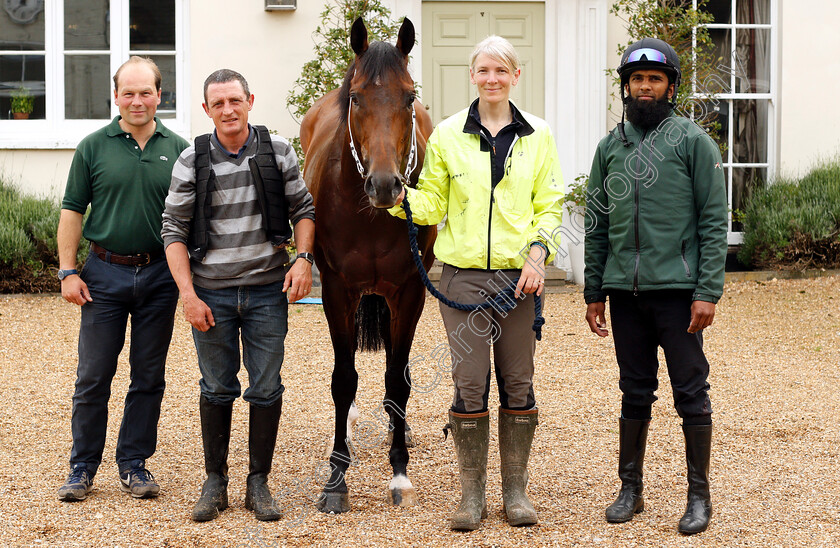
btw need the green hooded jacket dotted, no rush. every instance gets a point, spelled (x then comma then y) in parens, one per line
(656, 213)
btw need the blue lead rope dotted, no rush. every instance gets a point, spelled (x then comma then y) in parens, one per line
(503, 302)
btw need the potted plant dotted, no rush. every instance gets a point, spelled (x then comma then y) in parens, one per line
(22, 103)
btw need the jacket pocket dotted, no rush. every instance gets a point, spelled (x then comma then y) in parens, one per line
(685, 262)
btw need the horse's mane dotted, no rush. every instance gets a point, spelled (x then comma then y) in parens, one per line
(379, 61)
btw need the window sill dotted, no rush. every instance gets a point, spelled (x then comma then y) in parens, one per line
(40, 134)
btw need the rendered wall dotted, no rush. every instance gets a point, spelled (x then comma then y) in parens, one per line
(268, 48)
(809, 71)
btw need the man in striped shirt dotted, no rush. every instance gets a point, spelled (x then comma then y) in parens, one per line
(236, 284)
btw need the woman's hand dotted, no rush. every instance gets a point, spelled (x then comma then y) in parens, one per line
(532, 278)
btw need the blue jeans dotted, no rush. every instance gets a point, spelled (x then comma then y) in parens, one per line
(149, 295)
(259, 313)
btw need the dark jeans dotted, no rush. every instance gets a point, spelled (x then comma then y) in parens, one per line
(150, 296)
(641, 324)
(257, 313)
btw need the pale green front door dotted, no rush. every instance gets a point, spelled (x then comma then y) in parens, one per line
(450, 32)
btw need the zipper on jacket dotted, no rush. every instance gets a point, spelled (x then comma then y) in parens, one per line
(636, 197)
(492, 142)
(685, 263)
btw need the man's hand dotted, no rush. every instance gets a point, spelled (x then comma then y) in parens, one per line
(596, 318)
(198, 313)
(298, 282)
(532, 277)
(702, 315)
(75, 290)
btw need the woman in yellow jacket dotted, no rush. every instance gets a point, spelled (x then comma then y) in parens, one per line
(492, 172)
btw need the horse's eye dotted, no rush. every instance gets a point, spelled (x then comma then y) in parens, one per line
(411, 99)
(354, 99)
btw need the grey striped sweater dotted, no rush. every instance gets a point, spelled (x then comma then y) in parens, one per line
(238, 252)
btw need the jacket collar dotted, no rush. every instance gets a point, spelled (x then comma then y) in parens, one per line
(473, 123)
(635, 131)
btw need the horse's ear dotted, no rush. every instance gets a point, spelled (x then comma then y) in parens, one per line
(359, 37)
(405, 39)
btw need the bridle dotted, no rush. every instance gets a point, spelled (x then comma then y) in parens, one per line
(410, 164)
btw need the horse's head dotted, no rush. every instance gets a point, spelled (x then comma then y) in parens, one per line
(378, 96)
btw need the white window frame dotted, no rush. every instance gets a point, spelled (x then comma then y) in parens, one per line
(56, 132)
(736, 238)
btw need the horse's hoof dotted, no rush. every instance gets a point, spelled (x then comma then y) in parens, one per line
(402, 497)
(333, 503)
(401, 492)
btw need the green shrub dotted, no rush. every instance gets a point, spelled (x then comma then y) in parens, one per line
(795, 223)
(29, 229)
(15, 245)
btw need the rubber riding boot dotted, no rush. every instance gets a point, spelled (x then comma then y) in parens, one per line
(632, 439)
(471, 432)
(698, 450)
(516, 432)
(262, 437)
(215, 435)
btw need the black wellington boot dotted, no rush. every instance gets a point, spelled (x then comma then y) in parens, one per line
(471, 433)
(698, 451)
(215, 435)
(631, 456)
(262, 437)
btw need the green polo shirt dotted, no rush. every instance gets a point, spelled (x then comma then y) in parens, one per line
(124, 186)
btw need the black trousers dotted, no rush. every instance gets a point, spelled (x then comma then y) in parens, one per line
(642, 323)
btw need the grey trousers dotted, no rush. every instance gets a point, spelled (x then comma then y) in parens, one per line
(472, 334)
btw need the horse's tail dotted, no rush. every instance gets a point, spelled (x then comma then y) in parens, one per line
(373, 323)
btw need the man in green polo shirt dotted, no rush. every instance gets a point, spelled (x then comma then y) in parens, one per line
(122, 172)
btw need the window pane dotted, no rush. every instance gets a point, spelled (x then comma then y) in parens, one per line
(753, 61)
(22, 26)
(749, 138)
(720, 10)
(719, 80)
(152, 24)
(22, 72)
(744, 182)
(712, 112)
(753, 12)
(87, 87)
(86, 25)
(166, 64)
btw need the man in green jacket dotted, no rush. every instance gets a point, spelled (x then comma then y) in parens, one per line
(656, 246)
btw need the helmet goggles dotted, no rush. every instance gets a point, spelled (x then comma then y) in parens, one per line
(646, 54)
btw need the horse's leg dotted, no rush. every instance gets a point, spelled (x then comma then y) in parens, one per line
(406, 309)
(340, 308)
(352, 419)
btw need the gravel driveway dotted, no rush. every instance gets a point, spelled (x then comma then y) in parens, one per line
(774, 350)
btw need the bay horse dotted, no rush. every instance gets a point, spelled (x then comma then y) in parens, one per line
(363, 142)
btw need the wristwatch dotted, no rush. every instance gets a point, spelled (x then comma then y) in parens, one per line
(306, 257)
(64, 273)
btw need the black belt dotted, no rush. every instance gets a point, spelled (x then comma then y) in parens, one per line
(137, 259)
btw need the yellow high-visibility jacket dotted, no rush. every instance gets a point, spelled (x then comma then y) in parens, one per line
(489, 227)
